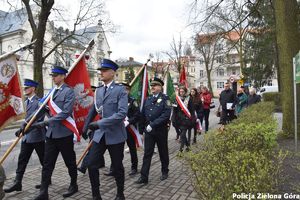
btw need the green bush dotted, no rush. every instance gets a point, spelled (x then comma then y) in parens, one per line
(275, 97)
(240, 159)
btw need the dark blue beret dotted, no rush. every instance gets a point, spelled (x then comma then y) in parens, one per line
(30, 83)
(108, 64)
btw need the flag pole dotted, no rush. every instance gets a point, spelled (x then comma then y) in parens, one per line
(12, 146)
(16, 50)
(139, 72)
(84, 152)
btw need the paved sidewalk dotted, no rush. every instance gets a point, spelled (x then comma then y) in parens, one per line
(177, 187)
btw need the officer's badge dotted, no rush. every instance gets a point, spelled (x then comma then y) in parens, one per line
(168, 103)
(159, 100)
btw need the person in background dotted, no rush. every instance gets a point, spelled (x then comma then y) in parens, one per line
(206, 101)
(242, 101)
(198, 107)
(185, 116)
(253, 98)
(228, 101)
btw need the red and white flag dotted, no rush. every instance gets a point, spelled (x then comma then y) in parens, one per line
(136, 135)
(79, 80)
(11, 103)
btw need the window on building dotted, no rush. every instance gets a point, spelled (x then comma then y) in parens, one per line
(233, 71)
(220, 59)
(201, 61)
(126, 76)
(201, 83)
(201, 73)
(68, 59)
(219, 47)
(220, 85)
(269, 82)
(220, 72)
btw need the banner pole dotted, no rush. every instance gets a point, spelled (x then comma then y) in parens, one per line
(295, 104)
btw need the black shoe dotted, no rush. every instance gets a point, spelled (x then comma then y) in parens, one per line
(43, 195)
(164, 177)
(71, 190)
(97, 198)
(81, 169)
(39, 185)
(142, 181)
(133, 172)
(110, 173)
(120, 197)
(17, 186)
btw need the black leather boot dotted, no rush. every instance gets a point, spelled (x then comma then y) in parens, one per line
(43, 194)
(73, 188)
(17, 186)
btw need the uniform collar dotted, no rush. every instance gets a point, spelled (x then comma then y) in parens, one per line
(59, 87)
(30, 98)
(109, 84)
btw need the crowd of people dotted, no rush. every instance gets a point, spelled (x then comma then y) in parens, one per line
(231, 104)
(110, 123)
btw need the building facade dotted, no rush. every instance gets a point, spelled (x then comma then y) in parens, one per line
(15, 31)
(216, 53)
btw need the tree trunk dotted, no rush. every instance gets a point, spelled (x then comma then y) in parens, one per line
(38, 59)
(208, 71)
(287, 34)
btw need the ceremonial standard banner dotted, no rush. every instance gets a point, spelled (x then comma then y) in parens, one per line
(140, 86)
(182, 78)
(11, 103)
(169, 88)
(79, 80)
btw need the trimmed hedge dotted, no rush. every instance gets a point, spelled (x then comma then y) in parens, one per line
(274, 97)
(240, 159)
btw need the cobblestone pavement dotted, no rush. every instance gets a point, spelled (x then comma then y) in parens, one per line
(177, 187)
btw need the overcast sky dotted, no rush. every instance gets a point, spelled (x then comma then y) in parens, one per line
(146, 26)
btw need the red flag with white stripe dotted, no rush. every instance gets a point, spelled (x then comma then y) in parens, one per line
(136, 135)
(11, 104)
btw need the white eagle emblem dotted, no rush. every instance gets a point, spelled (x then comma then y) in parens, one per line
(82, 98)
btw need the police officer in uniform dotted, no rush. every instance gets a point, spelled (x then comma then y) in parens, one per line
(34, 138)
(132, 118)
(89, 134)
(156, 114)
(59, 138)
(111, 102)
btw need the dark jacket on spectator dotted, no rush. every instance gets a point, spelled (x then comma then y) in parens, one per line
(228, 96)
(253, 99)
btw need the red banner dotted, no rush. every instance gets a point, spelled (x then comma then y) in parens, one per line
(11, 103)
(182, 79)
(79, 80)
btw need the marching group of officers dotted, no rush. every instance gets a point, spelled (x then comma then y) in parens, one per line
(106, 125)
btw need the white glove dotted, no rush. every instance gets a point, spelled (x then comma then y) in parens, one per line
(148, 128)
(126, 123)
(198, 120)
